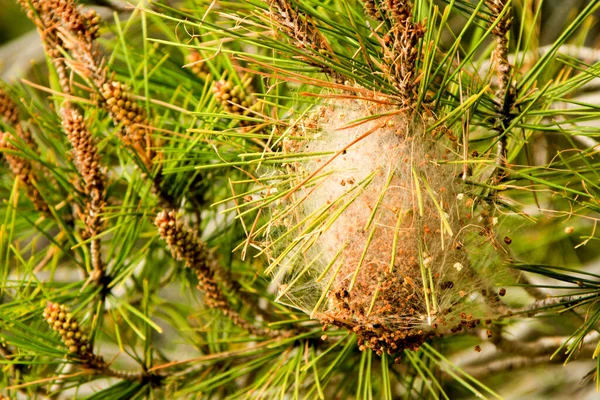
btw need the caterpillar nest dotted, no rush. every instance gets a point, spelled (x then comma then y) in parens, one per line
(368, 232)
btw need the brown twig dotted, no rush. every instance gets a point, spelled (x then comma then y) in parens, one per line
(543, 347)
(509, 364)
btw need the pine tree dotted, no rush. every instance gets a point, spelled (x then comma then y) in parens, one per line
(376, 199)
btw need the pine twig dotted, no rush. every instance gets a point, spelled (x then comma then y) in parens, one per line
(505, 94)
(508, 364)
(543, 347)
(552, 302)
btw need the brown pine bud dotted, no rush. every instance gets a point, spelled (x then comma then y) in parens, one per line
(235, 99)
(198, 66)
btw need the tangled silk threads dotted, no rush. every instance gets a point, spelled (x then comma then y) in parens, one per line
(371, 237)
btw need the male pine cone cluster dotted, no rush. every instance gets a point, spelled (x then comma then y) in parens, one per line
(88, 164)
(198, 66)
(20, 167)
(8, 109)
(235, 99)
(124, 110)
(184, 245)
(61, 320)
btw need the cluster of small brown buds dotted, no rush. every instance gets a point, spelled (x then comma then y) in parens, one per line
(73, 20)
(20, 167)
(44, 16)
(124, 110)
(88, 164)
(504, 25)
(87, 159)
(371, 9)
(61, 320)
(186, 246)
(23, 170)
(93, 21)
(182, 242)
(8, 109)
(401, 10)
(235, 99)
(198, 66)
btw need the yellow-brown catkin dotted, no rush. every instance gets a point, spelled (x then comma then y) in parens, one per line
(79, 32)
(41, 12)
(198, 66)
(187, 247)
(8, 109)
(86, 155)
(125, 111)
(75, 340)
(500, 55)
(235, 99)
(87, 161)
(504, 94)
(20, 167)
(371, 9)
(79, 24)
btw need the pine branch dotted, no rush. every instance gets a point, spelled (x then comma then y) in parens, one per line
(41, 14)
